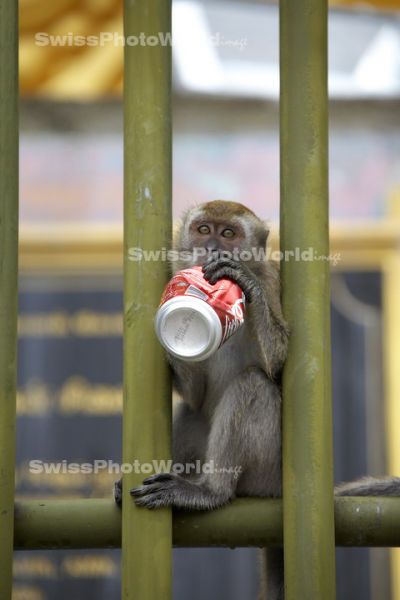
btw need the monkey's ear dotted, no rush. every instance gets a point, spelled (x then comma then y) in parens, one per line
(263, 236)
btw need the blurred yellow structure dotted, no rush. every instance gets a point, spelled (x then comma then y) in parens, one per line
(68, 71)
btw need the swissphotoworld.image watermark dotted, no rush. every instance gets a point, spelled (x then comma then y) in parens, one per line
(197, 467)
(309, 254)
(116, 39)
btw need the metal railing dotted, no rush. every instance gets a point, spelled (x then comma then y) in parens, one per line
(307, 406)
(8, 280)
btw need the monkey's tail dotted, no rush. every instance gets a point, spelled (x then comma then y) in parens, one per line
(271, 574)
(370, 486)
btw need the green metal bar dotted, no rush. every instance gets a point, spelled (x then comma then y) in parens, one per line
(307, 420)
(8, 280)
(41, 524)
(147, 535)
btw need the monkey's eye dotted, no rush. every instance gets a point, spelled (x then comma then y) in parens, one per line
(228, 233)
(203, 229)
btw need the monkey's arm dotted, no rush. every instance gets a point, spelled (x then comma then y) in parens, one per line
(268, 323)
(190, 433)
(189, 382)
(260, 285)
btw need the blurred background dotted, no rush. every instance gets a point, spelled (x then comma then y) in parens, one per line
(225, 145)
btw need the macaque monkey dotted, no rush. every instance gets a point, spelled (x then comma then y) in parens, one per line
(230, 416)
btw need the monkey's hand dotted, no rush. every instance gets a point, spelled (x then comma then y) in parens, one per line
(219, 267)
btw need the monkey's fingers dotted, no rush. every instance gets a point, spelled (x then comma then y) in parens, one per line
(153, 495)
(234, 275)
(213, 256)
(223, 273)
(118, 492)
(219, 265)
(158, 500)
(158, 477)
(143, 490)
(160, 481)
(219, 261)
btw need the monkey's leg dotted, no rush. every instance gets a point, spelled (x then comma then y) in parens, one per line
(190, 433)
(243, 446)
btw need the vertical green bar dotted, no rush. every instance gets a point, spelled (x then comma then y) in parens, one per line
(307, 412)
(146, 534)
(8, 280)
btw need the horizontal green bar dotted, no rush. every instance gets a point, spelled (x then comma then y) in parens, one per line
(42, 524)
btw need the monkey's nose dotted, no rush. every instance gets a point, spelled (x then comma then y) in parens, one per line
(212, 244)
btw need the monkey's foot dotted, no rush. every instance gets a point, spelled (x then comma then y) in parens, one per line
(168, 489)
(118, 492)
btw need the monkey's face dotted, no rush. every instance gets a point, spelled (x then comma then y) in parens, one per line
(220, 226)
